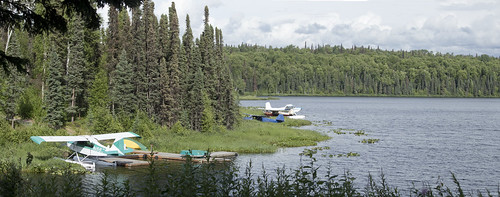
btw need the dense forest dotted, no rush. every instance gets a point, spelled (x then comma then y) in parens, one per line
(138, 66)
(335, 70)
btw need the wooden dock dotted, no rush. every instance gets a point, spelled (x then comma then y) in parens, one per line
(138, 158)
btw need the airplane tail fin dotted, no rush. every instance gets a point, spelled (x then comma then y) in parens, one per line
(268, 105)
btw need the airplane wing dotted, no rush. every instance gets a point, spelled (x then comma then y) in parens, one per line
(40, 139)
(111, 136)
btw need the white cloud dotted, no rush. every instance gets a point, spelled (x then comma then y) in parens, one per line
(465, 2)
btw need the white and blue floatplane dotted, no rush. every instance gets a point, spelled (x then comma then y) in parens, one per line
(289, 110)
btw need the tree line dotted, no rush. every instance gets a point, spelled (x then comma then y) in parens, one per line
(336, 70)
(138, 66)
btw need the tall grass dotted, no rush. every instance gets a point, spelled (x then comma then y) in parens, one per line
(249, 137)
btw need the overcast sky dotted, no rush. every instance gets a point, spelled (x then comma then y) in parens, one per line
(455, 26)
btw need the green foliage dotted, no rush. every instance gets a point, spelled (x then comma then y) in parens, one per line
(13, 86)
(359, 133)
(143, 125)
(247, 137)
(101, 121)
(338, 131)
(123, 88)
(76, 70)
(99, 91)
(349, 154)
(369, 141)
(178, 129)
(208, 118)
(360, 71)
(31, 105)
(55, 98)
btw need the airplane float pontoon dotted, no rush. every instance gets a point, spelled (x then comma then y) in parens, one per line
(89, 145)
(278, 119)
(289, 110)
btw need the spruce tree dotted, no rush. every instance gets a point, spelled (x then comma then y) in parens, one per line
(123, 90)
(173, 89)
(100, 119)
(123, 31)
(112, 43)
(207, 56)
(186, 72)
(195, 104)
(14, 84)
(228, 105)
(208, 123)
(93, 51)
(165, 111)
(152, 53)
(55, 99)
(76, 67)
(137, 58)
(164, 35)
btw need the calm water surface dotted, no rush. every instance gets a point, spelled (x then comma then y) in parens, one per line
(421, 139)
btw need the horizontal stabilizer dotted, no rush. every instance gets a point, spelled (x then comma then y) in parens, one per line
(111, 136)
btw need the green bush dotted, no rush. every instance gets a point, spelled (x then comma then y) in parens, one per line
(101, 121)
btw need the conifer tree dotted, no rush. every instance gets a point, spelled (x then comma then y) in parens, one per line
(207, 56)
(123, 90)
(164, 35)
(14, 83)
(228, 104)
(123, 31)
(152, 53)
(186, 72)
(207, 119)
(93, 52)
(112, 43)
(137, 58)
(195, 104)
(172, 99)
(76, 67)
(100, 118)
(165, 112)
(40, 49)
(55, 100)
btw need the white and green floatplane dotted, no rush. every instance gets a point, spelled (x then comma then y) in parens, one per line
(90, 146)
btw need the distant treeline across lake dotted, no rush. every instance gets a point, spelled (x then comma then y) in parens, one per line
(336, 70)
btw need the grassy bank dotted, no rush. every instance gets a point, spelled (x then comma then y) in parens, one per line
(249, 136)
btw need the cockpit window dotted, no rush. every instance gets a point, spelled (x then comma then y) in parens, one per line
(85, 143)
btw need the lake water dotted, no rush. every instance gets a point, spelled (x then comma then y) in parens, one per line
(421, 139)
